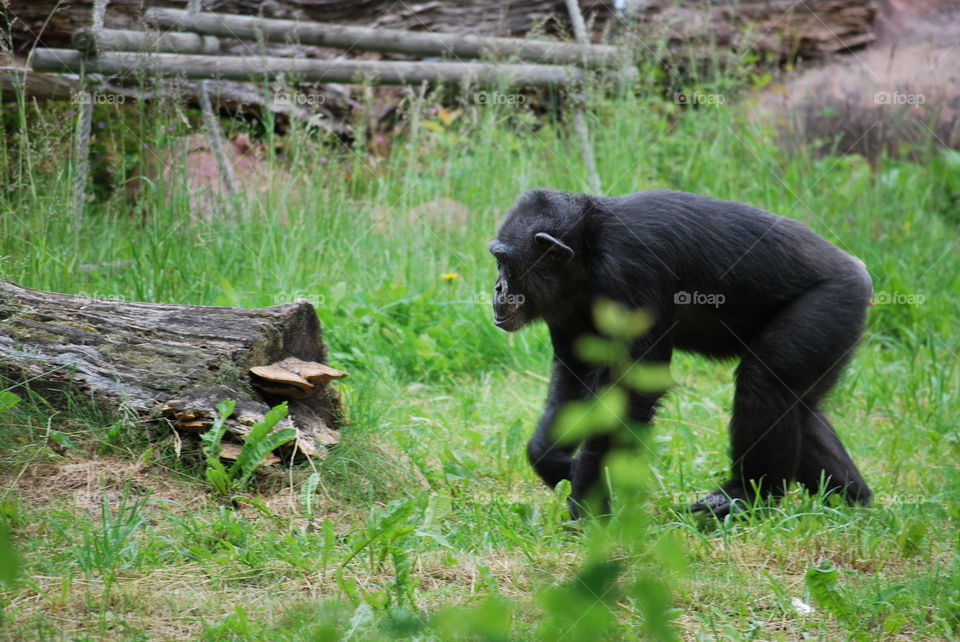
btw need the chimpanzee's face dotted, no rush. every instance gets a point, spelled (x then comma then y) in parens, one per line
(535, 269)
(529, 280)
(510, 311)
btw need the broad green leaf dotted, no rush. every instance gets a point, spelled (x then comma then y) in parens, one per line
(579, 420)
(9, 558)
(307, 491)
(648, 377)
(213, 436)
(253, 453)
(259, 442)
(8, 400)
(822, 583)
(597, 350)
(619, 322)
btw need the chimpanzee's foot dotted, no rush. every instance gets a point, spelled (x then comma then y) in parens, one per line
(729, 499)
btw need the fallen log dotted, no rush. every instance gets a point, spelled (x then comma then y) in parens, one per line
(97, 41)
(172, 362)
(305, 70)
(232, 95)
(413, 43)
(20, 80)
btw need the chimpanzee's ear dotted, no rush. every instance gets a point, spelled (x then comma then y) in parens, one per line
(554, 246)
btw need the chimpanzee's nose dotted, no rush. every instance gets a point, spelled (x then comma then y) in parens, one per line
(499, 287)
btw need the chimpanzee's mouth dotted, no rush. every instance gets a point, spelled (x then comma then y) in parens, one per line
(501, 321)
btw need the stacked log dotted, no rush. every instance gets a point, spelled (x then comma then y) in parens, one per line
(781, 29)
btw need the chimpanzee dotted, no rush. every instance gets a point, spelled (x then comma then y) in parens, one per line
(719, 278)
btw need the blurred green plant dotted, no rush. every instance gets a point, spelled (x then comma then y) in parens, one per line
(8, 400)
(9, 558)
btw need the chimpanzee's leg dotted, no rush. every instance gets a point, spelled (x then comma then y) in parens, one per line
(588, 465)
(765, 432)
(650, 350)
(586, 474)
(571, 381)
(825, 462)
(552, 462)
(785, 371)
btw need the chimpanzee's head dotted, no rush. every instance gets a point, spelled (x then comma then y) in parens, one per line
(537, 249)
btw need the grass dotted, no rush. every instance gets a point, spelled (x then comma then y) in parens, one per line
(428, 521)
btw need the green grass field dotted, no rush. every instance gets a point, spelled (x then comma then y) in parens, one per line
(427, 522)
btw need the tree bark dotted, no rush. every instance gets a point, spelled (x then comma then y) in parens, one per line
(413, 43)
(157, 360)
(94, 42)
(341, 71)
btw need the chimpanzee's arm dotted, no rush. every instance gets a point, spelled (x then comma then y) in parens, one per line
(572, 380)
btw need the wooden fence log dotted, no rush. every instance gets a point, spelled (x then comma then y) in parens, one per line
(414, 43)
(253, 68)
(97, 41)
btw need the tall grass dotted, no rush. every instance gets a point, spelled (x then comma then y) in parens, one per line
(431, 500)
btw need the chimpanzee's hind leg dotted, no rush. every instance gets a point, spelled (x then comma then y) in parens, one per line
(785, 370)
(825, 462)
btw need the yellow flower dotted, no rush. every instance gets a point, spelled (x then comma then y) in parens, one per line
(449, 276)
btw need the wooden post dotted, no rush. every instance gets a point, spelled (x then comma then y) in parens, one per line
(216, 140)
(254, 68)
(414, 43)
(82, 139)
(210, 121)
(576, 21)
(579, 115)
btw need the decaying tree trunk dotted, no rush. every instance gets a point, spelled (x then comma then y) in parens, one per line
(173, 362)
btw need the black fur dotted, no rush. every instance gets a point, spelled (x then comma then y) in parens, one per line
(793, 307)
